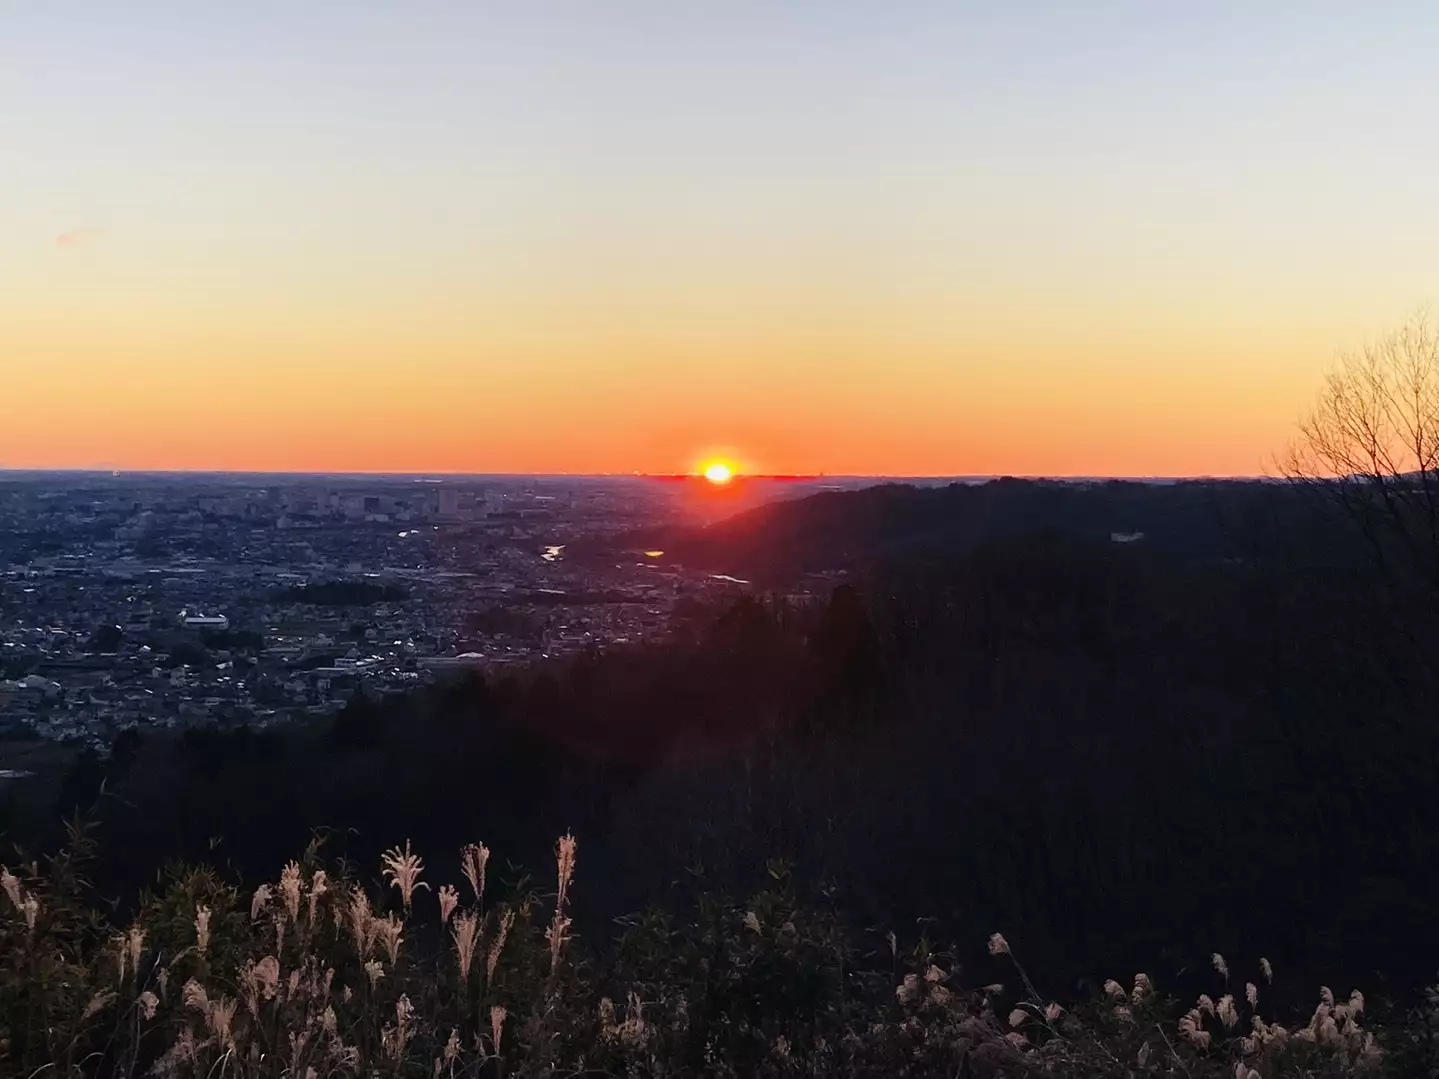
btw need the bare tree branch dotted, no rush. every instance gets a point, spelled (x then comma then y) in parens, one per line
(1372, 441)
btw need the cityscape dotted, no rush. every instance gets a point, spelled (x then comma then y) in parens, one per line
(169, 600)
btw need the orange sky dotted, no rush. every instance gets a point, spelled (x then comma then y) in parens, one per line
(529, 238)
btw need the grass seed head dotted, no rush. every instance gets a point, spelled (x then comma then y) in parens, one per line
(404, 869)
(497, 1025)
(389, 931)
(291, 885)
(492, 960)
(202, 928)
(466, 934)
(11, 884)
(565, 851)
(318, 887)
(449, 900)
(1226, 1011)
(473, 859)
(134, 946)
(98, 1003)
(359, 921)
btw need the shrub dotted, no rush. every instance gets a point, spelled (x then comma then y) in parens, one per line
(322, 973)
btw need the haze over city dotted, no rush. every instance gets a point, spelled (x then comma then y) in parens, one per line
(932, 239)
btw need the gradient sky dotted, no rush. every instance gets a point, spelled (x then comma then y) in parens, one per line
(611, 235)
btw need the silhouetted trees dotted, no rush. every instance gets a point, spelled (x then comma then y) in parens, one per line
(106, 639)
(343, 593)
(187, 654)
(244, 640)
(1371, 445)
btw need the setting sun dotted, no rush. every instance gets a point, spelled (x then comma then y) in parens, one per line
(718, 472)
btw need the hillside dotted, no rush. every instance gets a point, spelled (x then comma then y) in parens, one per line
(857, 529)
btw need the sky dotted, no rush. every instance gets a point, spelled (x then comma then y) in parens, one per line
(888, 237)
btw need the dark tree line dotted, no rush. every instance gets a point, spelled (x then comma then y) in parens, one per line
(343, 593)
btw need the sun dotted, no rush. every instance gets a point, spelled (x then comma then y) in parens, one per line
(718, 473)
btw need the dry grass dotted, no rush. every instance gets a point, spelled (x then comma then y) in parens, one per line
(312, 976)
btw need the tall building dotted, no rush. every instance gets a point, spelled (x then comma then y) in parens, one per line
(449, 503)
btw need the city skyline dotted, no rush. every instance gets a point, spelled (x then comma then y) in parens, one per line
(933, 240)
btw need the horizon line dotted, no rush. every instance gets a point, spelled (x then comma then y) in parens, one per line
(788, 476)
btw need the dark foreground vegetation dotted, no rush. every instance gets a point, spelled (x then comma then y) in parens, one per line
(333, 970)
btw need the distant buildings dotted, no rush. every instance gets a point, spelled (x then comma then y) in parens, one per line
(165, 601)
(203, 622)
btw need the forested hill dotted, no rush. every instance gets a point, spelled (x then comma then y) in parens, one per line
(856, 529)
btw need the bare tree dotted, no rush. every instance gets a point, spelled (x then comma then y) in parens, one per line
(1371, 442)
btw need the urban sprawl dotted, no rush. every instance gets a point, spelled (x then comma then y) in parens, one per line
(153, 600)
